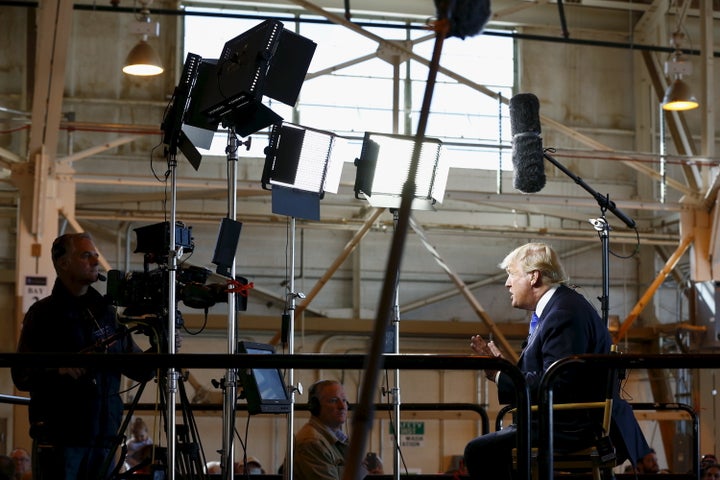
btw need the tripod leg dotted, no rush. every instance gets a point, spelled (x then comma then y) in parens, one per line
(194, 454)
(120, 436)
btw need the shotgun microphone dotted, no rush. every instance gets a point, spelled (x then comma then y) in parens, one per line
(527, 150)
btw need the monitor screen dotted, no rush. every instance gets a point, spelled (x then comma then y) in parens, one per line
(264, 388)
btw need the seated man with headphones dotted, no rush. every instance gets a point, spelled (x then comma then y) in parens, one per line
(321, 444)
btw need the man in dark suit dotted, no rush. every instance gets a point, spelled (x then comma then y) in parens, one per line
(563, 323)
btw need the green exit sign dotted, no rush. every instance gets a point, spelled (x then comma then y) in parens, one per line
(410, 428)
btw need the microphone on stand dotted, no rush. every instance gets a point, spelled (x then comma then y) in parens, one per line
(528, 155)
(101, 277)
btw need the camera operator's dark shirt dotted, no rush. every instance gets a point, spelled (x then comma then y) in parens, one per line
(63, 410)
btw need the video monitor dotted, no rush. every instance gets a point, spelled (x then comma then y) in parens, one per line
(264, 388)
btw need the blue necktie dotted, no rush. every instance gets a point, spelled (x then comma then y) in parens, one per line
(533, 323)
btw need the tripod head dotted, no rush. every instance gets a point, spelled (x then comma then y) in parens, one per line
(154, 327)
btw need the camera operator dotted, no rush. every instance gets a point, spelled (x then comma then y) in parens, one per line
(75, 413)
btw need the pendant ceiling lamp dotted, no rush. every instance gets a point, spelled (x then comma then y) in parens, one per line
(143, 60)
(678, 96)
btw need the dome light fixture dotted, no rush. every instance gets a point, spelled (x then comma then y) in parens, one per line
(143, 60)
(678, 96)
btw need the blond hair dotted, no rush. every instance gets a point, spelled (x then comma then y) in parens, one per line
(537, 257)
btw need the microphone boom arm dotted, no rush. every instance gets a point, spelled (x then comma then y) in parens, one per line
(604, 231)
(603, 200)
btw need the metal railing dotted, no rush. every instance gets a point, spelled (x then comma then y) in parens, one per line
(385, 407)
(302, 361)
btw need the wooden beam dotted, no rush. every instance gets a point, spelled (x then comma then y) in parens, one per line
(465, 291)
(659, 279)
(53, 37)
(346, 251)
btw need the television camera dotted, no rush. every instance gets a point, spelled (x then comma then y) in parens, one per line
(144, 294)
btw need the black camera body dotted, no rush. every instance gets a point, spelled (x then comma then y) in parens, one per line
(146, 293)
(142, 293)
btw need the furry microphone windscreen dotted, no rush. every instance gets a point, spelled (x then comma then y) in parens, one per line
(527, 158)
(524, 114)
(527, 149)
(467, 18)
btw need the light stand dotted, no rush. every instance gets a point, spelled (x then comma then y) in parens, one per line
(383, 170)
(299, 168)
(173, 139)
(230, 385)
(396, 402)
(172, 311)
(290, 441)
(602, 227)
(267, 60)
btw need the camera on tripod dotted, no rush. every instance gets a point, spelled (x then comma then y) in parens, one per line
(144, 294)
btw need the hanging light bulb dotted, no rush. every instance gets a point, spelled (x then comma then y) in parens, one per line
(142, 59)
(678, 96)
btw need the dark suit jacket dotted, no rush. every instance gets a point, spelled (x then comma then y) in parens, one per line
(570, 325)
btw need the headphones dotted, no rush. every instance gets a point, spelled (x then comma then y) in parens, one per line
(313, 392)
(314, 404)
(313, 400)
